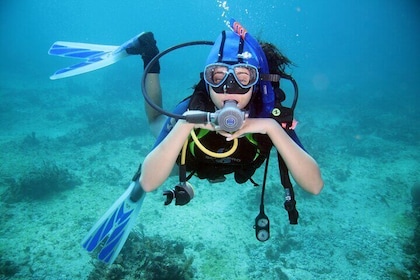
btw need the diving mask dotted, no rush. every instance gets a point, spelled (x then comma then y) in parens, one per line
(233, 79)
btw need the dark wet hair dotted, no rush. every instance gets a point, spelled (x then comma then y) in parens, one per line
(277, 62)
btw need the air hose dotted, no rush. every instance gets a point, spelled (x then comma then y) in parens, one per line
(211, 153)
(199, 118)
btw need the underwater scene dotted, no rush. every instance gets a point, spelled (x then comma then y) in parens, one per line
(69, 147)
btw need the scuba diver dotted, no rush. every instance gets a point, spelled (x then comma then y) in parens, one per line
(228, 125)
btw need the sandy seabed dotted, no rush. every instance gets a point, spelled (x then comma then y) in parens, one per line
(357, 228)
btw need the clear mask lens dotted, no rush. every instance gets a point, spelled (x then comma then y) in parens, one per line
(216, 74)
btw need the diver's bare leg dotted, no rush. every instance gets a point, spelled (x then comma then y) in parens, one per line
(145, 45)
(155, 118)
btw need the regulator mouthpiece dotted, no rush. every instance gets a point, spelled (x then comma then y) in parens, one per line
(230, 118)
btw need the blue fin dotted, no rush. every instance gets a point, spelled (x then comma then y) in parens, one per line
(79, 50)
(114, 226)
(95, 56)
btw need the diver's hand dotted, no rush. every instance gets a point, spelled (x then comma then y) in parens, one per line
(212, 127)
(251, 125)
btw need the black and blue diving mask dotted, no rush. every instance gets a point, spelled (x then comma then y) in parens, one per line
(231, 79)
(232, 65)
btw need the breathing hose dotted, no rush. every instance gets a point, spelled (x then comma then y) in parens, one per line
(198, 118)
(149, 66)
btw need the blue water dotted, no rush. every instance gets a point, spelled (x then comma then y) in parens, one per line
(357, 65)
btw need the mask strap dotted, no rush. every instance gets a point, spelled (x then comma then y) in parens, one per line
(222, 46)
(241, 49)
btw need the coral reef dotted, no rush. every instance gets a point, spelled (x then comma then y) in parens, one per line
(414, 268)
(147, 258)
(412, 249)
(40, 182)
(30, 140)
(7, 268)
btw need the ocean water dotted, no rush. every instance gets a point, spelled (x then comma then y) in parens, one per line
(69, 147)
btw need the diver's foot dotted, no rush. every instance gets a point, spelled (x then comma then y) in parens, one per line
(145, 45)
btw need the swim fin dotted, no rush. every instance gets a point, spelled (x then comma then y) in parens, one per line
(115, 224)
(95, 56)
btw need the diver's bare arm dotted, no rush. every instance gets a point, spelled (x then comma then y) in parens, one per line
(158, 164)
(302, 166)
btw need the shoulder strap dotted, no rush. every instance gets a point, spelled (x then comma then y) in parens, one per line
(290, 203)
(284, 116)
